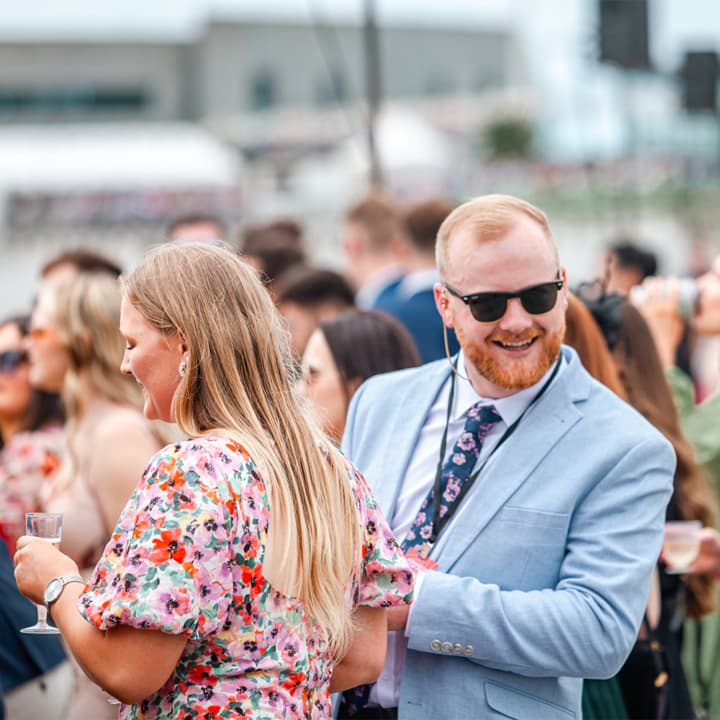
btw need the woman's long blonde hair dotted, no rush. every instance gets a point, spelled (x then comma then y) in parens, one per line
(239, 381)
(86, 313)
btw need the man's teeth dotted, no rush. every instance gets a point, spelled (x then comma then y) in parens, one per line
(516, 345)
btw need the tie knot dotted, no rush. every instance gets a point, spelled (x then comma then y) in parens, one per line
(480, 418)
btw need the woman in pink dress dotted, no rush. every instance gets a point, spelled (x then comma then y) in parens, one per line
(31, 437)
(76, 347)
(249, 574)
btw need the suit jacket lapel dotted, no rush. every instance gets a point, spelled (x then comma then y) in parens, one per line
(541, 428)
(400, 438)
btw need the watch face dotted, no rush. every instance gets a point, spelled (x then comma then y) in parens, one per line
(53, 590)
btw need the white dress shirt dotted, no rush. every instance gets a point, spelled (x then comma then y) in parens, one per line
(419, 478)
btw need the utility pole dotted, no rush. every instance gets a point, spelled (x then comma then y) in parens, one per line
(373, 89)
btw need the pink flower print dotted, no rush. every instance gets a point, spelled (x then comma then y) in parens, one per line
(459, 458)
(425, 532)
(466, 441)
(474, 412)
(451, 491)
(420, 518)
(410, 536)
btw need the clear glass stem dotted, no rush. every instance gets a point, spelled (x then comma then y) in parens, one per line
(42, 616)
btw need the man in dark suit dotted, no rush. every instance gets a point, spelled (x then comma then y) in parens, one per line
(375, 249)
(412, 301)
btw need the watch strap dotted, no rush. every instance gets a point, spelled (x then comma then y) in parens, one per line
(64, 580)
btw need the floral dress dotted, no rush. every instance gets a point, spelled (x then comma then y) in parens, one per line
(27, 462)
(187, 557)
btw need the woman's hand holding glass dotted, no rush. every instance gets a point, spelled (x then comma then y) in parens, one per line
(37, 561)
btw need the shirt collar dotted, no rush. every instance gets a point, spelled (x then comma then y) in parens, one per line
(509, 408)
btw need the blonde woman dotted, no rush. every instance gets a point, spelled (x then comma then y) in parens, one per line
(249, 573)
(75, 347)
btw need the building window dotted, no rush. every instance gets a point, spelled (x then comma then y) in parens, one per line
(263, 90)
(36, 102)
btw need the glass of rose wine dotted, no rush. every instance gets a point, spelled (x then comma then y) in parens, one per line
(681, 545)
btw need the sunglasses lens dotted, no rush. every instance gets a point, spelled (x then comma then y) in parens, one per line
(540, 299)
(489, 307)
(11, 359)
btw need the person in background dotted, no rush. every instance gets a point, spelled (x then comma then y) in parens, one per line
(700, 423)
(210, 600)
(647, 390)
(272, 260)
(75, 347)
(413, 302)
(305, 296)
(35, 678)
(66, 266)
(31, 433)
(627, 265)
(285, 231)
(537, 564)
(196, 227)
(345, 351)
(583, 334)
(375, 249)
(273, 249)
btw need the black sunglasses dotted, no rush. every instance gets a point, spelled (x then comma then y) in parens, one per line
(491, 306)
(11, 359)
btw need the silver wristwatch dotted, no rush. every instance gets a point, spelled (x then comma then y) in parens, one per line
(54, 588)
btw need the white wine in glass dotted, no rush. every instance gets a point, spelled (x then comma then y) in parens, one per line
(48, 527)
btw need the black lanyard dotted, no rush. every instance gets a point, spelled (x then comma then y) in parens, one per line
(439, 523)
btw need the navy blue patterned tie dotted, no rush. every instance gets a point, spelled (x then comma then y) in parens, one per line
(479, 420)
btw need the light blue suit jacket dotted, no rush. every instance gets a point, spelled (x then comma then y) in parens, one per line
(544, 575)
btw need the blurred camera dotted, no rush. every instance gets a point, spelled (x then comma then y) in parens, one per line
(687, 294)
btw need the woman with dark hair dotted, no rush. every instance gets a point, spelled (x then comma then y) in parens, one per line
(633, 349)
(344, 352)
(31, 437)
(585, 337)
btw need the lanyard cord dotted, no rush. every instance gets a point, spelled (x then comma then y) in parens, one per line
(439, 523)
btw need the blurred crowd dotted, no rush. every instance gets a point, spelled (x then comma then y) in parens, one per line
(74, 438)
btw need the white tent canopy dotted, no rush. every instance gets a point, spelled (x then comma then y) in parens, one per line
(114, 158)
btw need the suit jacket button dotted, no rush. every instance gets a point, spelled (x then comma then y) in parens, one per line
(468, 650)
(435, 645)
(458, 649)
(447, 647)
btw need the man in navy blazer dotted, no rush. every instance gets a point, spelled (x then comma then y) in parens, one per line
(411, 300)
(539, 576)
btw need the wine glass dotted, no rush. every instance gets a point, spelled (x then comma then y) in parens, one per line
(681, 545)
(47, 526)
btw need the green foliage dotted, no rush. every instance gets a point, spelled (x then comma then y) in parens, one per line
(509, 137)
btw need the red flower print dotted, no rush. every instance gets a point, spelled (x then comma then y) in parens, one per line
(49, 464)
(167, 547)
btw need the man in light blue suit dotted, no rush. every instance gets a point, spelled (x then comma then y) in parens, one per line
(536, 566)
